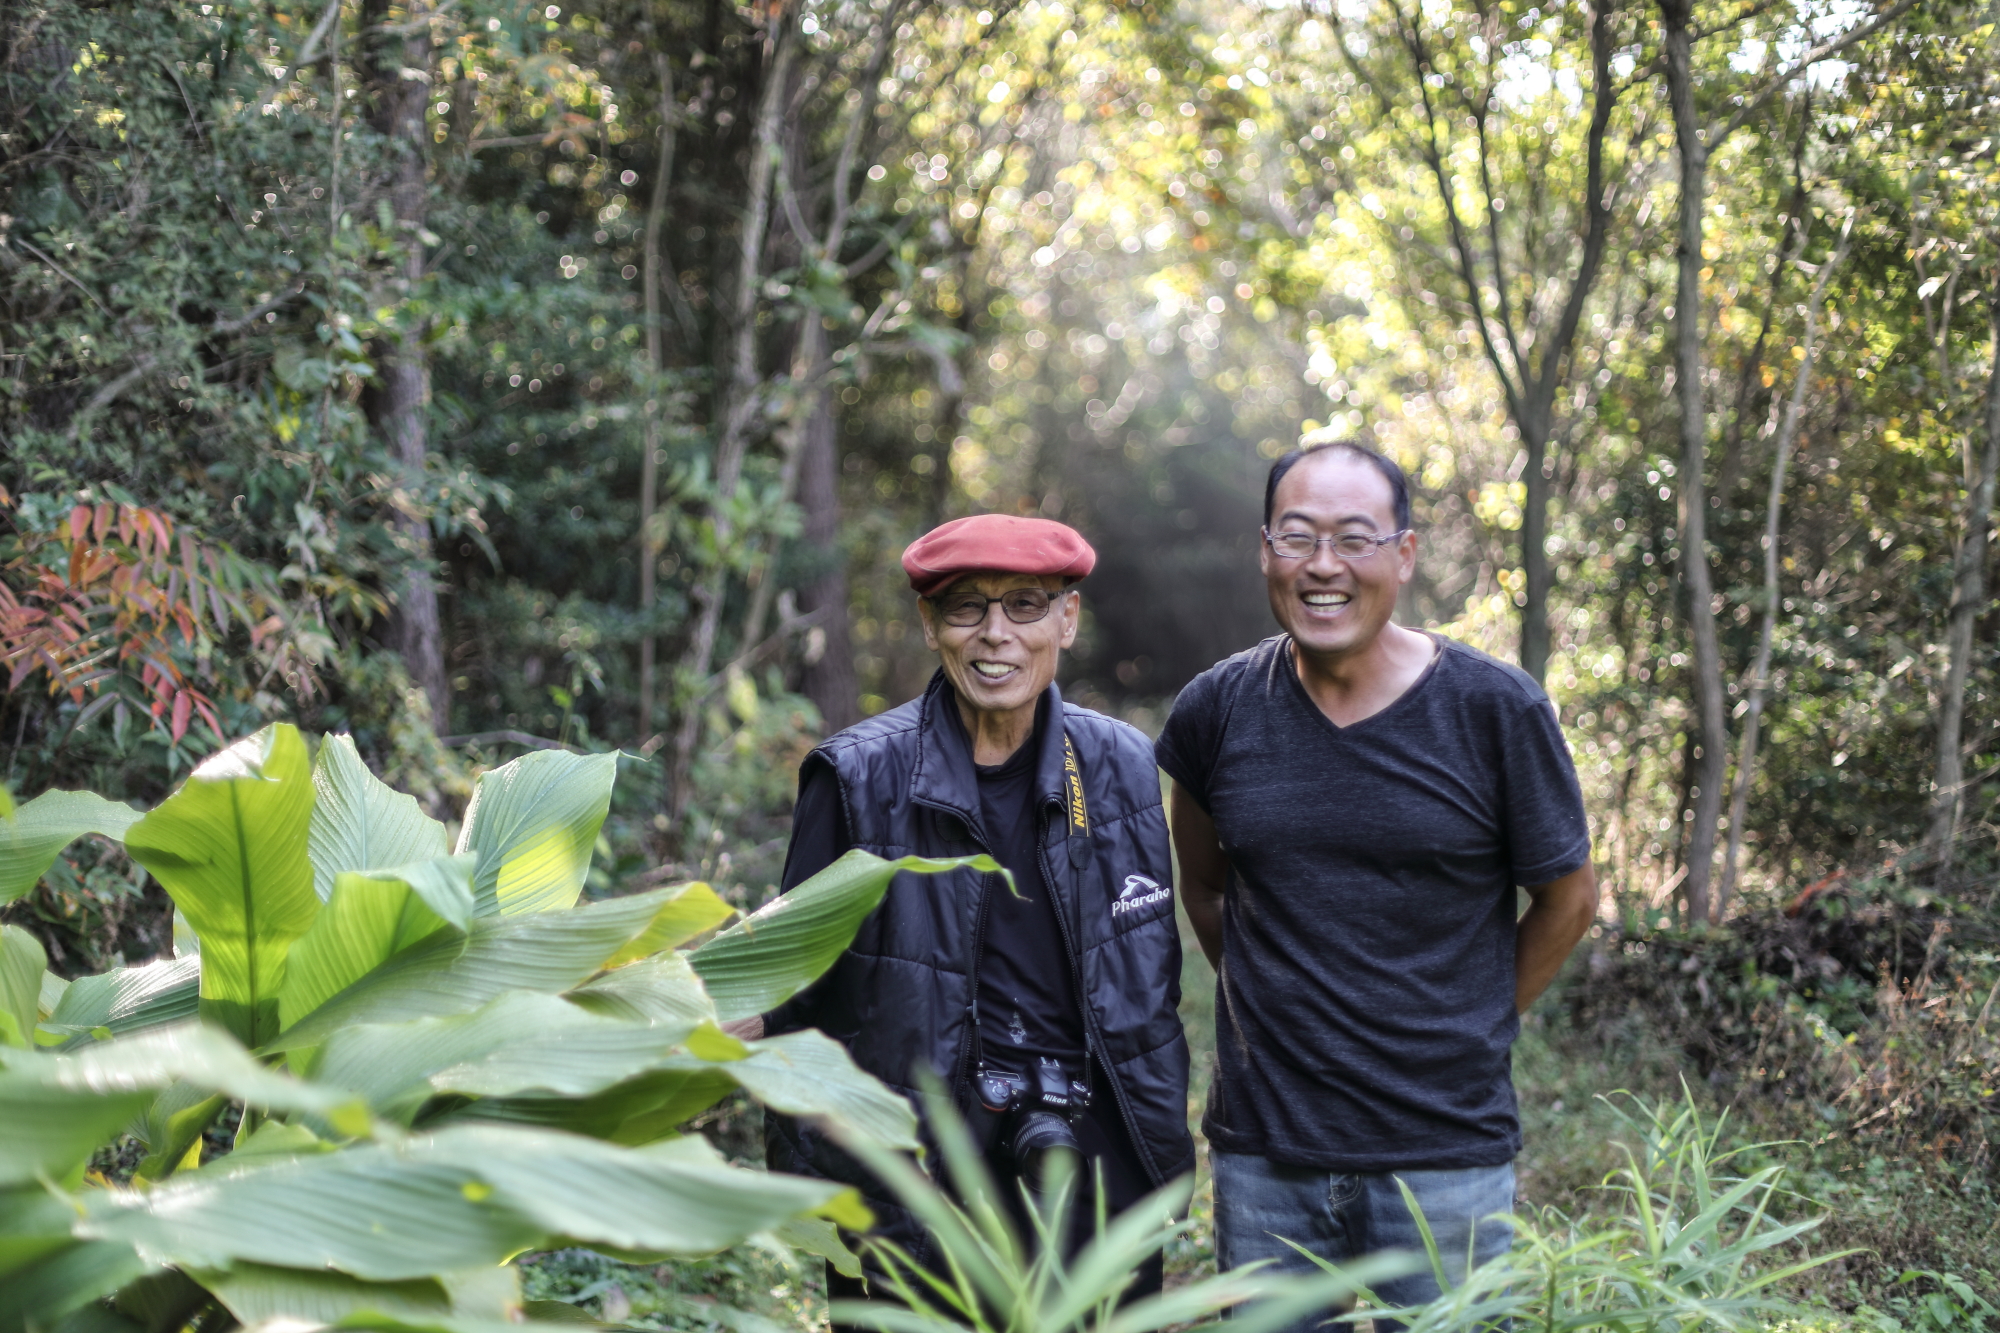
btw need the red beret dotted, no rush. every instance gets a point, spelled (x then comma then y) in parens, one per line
(998, 542)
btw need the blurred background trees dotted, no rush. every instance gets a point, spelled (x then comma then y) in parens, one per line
(573, 376)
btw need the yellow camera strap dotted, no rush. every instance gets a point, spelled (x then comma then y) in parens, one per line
(1079, 820)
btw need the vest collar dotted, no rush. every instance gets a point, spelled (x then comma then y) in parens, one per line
(943, 776)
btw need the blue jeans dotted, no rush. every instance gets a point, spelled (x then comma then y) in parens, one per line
(1341, 1218)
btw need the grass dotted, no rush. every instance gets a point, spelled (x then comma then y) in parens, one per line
(1927, 1227)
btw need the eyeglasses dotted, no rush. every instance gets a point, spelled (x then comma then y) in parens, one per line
(1024, 606)
(1348, 545)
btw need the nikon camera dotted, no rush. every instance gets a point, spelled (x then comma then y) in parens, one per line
(1041, 1107)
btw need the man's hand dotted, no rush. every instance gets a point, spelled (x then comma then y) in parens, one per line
(1558, 915)
(1204, 871)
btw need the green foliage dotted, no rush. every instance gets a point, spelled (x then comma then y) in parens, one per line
(436, 1092)
(997, 1279)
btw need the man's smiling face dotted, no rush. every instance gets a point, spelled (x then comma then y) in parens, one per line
(998, 666)
(1334, 607)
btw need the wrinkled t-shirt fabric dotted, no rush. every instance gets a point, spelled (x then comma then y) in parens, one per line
(1365, 1006)
(1027, 1003)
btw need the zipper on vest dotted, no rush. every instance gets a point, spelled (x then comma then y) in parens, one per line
(1093, 1041)
(971, 1041)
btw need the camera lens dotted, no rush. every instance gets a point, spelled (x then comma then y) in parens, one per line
(1045, 1144)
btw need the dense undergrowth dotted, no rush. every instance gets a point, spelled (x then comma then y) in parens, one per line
(1846, 1036)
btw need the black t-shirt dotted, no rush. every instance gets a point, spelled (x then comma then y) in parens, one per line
(1365, 1008)
(1027, 993)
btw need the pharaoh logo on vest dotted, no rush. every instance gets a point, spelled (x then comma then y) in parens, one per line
(1138, 892)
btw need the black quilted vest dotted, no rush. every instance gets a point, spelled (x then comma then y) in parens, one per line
(903, 995)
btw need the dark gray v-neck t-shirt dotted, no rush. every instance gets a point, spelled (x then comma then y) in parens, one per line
(1365, 1008)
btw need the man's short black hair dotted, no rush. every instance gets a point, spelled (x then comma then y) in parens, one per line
(1392, 472)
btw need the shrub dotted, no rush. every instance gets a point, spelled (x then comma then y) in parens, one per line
(440, 1057)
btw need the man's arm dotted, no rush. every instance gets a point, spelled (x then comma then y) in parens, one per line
(1559, 912)
(1204, 870)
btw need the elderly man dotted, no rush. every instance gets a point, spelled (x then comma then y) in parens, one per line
(1049, 1011)
(1354, 804)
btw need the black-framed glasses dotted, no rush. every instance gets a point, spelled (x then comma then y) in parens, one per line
(1348, 545)
(1023, 606)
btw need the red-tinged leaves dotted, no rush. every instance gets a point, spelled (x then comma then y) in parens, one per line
(110, 601)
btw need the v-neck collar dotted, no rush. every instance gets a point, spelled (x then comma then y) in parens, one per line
(1289, 662)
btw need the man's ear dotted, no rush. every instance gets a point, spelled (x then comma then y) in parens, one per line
(924, 618)
(1406, 557)
(1072, 614)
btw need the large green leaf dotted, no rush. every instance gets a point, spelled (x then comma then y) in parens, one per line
(129, 999)
(534, 822)
(37, 832)
(22, 964)
(256, 1292)
(457, 1199)
(642, 1110)
(801, 1073)
(522, 1042)
(230, 847)
(660, 989)
(44, 1271)
(810, 1074)
(449, 974)
(58, 1109)
(697, 909)
(360, 822)
(368, 920)
(765, 959)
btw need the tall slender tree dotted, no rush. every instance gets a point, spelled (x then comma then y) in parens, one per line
(1523, 278)
(1696, 143)
(397, 59)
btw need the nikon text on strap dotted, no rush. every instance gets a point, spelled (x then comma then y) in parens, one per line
(1079, 818)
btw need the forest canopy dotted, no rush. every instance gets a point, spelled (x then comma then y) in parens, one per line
(489, 375)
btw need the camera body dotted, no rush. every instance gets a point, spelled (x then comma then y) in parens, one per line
(1039, 1107)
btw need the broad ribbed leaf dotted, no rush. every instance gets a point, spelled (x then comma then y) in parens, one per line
(801, 1073)
(765, 959)
(53, 1131)
(448, 974)
(58, 1109)
(370, 919)
(360, 822)
(230, 847)
(520, 1043)
(810, 1074)
(44, 1272)
(255, 1292)
(534, 822)
(194, 1053)
(130, 999)
(466, 1196)
(39, 830)
(698, 908)
(660, 989)
(22, 964)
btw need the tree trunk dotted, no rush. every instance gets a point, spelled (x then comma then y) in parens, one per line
(1760, 675)
(1968, 598)
(649, 466)
(740, 401)
(1711, 724)
(399, 70)
(1537, 576)
(830, 681)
